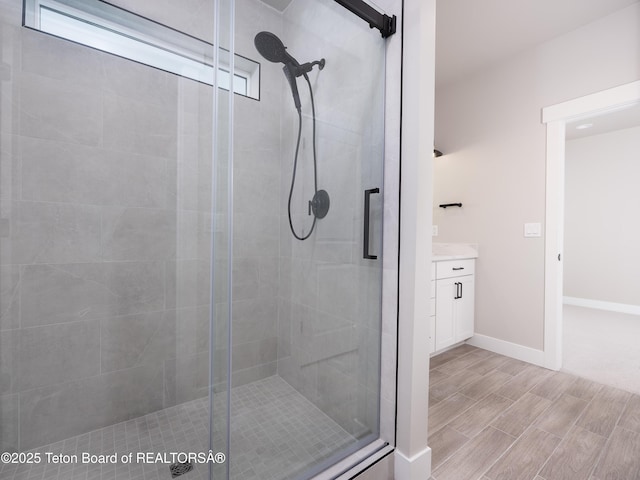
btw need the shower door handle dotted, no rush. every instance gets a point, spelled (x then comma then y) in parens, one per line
(367, 208)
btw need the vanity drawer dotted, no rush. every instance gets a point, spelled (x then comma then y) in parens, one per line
(454, 268)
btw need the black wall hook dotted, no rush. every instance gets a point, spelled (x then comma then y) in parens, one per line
(445, 205)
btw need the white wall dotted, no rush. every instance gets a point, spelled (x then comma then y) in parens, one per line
(602, 226)
(488, 125)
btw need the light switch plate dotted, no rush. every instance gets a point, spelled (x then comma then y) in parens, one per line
(434, 230)
(532, 230)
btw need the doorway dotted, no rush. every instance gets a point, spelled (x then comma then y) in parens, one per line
(559, 119)
(601, 300)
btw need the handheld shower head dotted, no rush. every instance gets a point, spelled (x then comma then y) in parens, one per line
(272, 48)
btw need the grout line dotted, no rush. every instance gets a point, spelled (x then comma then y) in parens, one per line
(515, 439)
(532, 425)
(601, 453)
(608, 439)
(573, 425)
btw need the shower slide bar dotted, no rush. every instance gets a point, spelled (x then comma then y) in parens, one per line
(375, 19)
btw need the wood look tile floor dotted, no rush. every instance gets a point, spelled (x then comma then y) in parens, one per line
(495, 418)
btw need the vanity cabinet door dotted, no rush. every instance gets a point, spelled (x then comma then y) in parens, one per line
(432, 312)
(445, 325)
(454, 310)
(463, 308)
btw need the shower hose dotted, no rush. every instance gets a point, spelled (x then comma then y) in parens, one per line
(295, 163)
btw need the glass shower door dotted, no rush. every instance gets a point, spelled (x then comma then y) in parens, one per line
(105, 221)
(303, 227)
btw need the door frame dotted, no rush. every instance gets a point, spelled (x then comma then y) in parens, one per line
(556, 117)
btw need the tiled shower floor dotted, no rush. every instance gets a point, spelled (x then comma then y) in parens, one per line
(276, 433)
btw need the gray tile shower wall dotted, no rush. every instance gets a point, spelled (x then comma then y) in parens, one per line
(105, 230)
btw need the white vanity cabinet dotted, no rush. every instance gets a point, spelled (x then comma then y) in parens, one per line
(432, 318)
(454, 302)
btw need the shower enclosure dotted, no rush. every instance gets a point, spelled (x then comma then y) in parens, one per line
(191, 228)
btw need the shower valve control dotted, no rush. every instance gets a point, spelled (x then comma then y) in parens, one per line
(319, 206)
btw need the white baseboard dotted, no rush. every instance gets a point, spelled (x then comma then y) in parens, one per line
(513, 350)
(417, 467)
(602, 305)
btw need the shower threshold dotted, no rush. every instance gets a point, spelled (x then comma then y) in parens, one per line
(276, 434)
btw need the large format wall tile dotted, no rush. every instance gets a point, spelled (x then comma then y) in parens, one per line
(138, 82)
(257, 193)
(52, 233)
(246, 355)
(65, 172)
(11, 18)
(284, 328)
(268, 276)
(54, 354)
(138, 286)
(187, 378)
(337, 395)
(9, 417)
(192, 172)
(192, 330)
(256, 234)
(132, 340)
(9, 351)
(65, 293)
(253, 373)
(52, 294)
(246, 278)
(299, 281)
(58, 59)
(139, 127)
(9, 297)
(337, 290)
(194, 235)
(54, 171)
(59, 110)
(64, 410)
(254, 320)
(188, 284)
(10, 188)
(138, 234)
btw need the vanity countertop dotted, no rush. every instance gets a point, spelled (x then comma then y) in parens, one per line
(453, 251)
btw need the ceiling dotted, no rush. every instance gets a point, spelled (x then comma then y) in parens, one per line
(619, 119)
(279, 5)
(473, 34)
